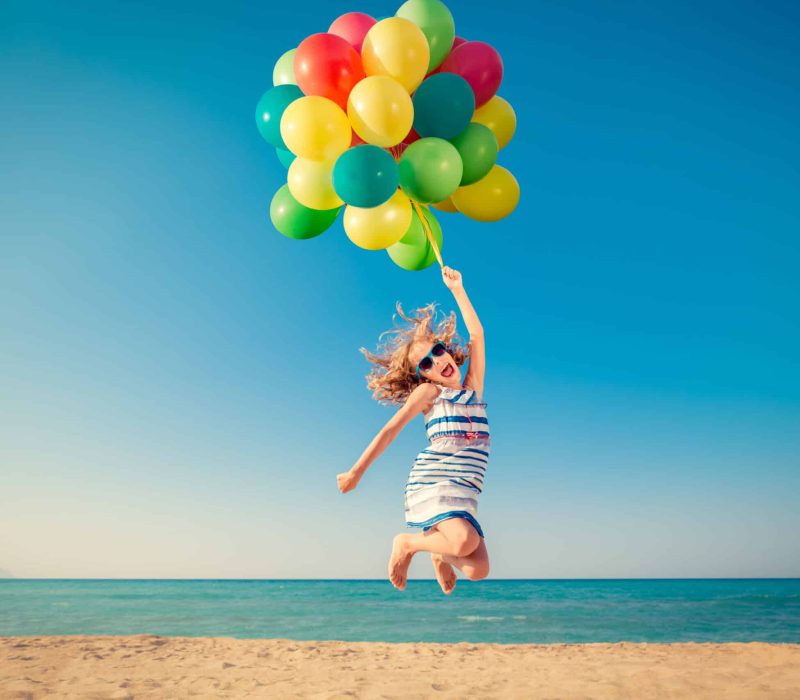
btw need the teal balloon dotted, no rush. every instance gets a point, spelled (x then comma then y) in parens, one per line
(477, 146)
(443, 106)
(285, 157)
(365, 176)
(294, 220)
(430, 170)
(270, 109)
(414, 251)
(436, 22)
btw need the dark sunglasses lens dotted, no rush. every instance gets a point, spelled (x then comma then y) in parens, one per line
(438, 350)
(425, 364)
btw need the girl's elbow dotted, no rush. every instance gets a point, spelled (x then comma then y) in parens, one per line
(389, 433)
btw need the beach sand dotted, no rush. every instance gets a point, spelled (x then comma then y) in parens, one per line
(178, 667)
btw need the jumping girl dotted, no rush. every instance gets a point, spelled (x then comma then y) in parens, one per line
(420, 369)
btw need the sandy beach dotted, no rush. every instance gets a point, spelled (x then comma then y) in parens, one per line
(177, 667)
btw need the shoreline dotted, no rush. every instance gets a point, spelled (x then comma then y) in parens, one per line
(150, 666)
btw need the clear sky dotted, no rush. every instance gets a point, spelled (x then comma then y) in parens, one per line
(181, 383)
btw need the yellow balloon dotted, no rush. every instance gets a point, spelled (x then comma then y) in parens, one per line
(311, 183)
(499, 116)
(381, 226)
(398, 48)
(380, 110)
(316, 128)
(445, 205)
(490, 199)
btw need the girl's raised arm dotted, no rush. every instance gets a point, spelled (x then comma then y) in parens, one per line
(417, 401)
(477, 347)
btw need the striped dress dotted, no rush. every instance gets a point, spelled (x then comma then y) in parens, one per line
(447, 476)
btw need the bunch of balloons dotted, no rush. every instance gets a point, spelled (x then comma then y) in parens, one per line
(386, 119)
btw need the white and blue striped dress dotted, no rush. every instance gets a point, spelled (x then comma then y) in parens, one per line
(447, 476)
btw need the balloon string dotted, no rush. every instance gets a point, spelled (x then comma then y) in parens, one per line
(427, 229)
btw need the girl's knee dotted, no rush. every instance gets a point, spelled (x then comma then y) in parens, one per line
(466, 541)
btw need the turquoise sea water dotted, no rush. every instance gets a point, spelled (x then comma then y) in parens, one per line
(503, 611)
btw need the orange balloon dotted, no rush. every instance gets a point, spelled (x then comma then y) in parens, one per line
(445, 205)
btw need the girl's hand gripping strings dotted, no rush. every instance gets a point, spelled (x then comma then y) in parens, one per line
(452, 279)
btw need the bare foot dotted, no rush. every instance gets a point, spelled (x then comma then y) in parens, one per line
(444, 574)
(398, 562)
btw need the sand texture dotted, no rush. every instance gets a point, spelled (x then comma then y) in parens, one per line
(180, 667)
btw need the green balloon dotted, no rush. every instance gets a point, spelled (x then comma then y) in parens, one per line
(436, 22)
(294, 220)
(283, 73)
(430, 170)
(270, 109)
(477, 146)
(414, 251)
(285, 157)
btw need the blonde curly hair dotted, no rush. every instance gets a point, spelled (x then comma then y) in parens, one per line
(392, 377)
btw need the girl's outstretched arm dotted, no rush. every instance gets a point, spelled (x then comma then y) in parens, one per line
(418, 400)
(477, 347)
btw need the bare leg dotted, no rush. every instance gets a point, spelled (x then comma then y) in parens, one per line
(454, 536)
(475, 566)
(444, 573)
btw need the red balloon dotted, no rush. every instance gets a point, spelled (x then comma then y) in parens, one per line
(326, 65)
(480, 65)
(411, 136)
(352, 27)
(398, 150)
(356, 140)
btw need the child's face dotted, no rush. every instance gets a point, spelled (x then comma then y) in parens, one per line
(444, 370)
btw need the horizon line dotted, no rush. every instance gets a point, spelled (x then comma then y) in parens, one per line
(370, 580)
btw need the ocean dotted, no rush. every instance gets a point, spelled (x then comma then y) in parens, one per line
(499, 611)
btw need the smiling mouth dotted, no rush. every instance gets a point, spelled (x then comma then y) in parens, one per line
(448, 371)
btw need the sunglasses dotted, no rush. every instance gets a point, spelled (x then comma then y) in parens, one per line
(426, 362)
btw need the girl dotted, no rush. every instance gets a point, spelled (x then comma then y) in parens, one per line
(420, 370)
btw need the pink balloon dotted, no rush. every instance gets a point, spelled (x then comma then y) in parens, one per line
(456, 42)
(352, 27)
(480, 65)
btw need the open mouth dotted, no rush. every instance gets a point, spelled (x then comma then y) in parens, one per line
(448, 371)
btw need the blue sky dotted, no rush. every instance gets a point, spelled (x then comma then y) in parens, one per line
(182, 383)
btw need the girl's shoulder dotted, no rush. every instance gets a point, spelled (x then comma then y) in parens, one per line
(424, 396)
